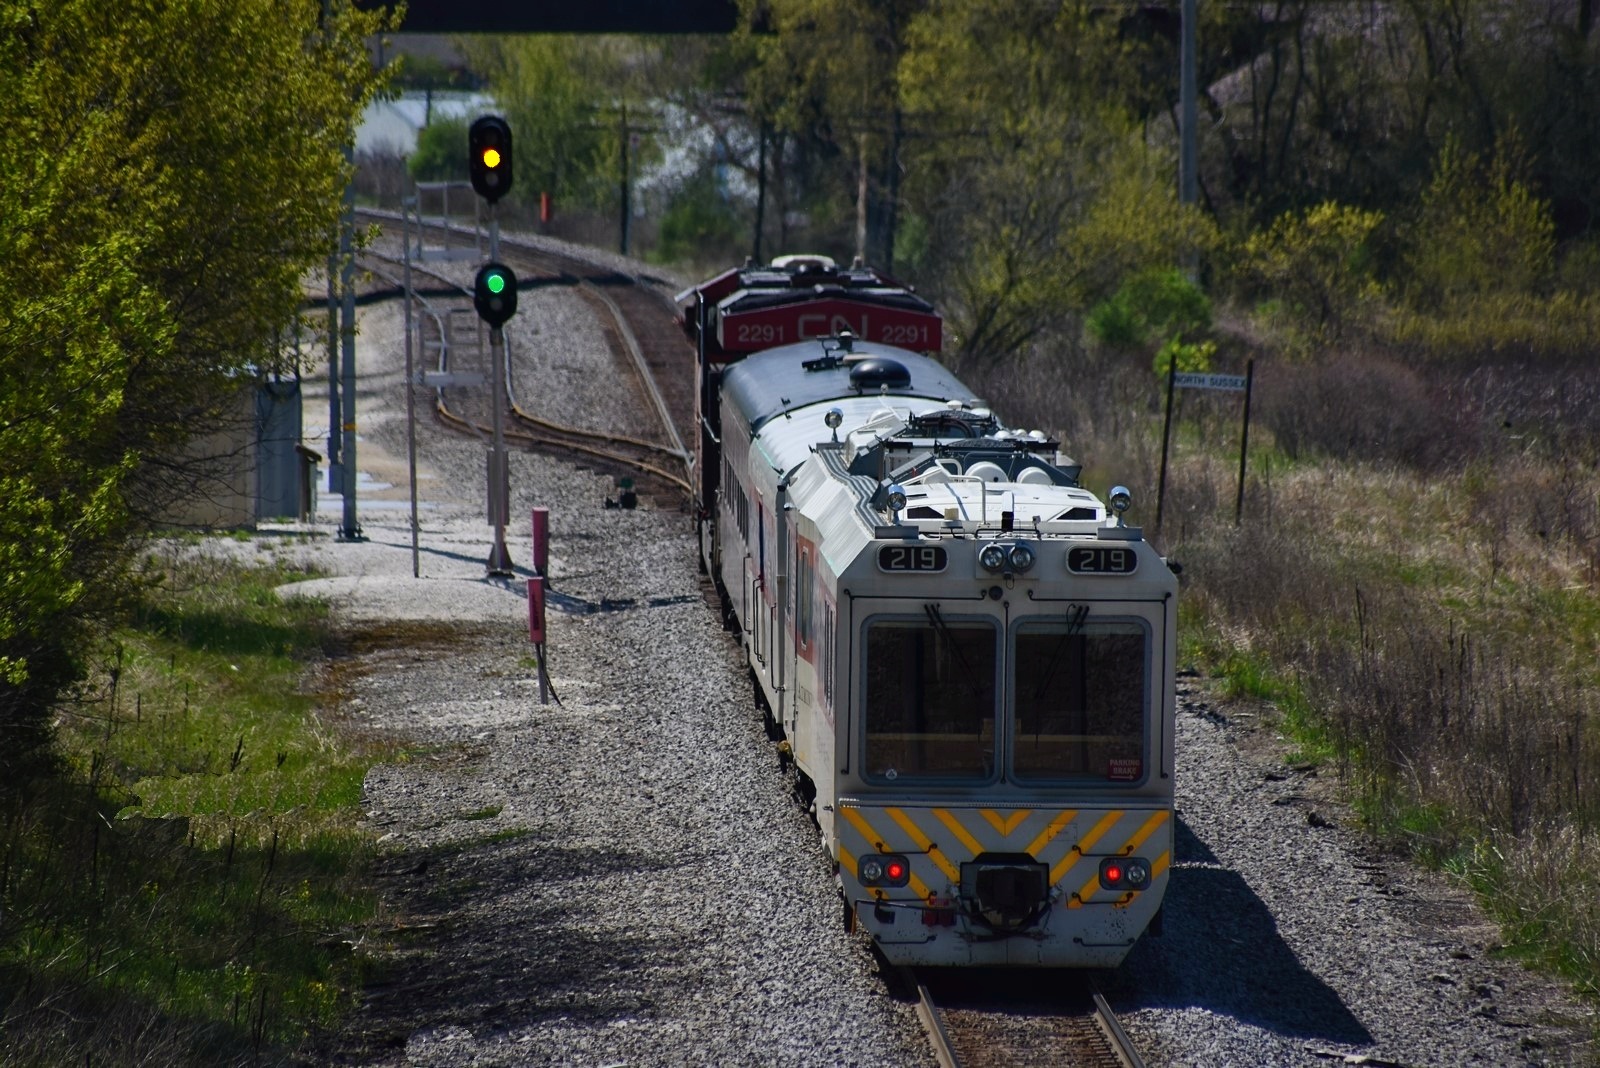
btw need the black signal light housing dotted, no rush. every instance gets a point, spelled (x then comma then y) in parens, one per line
(489, 157)
(494, 293)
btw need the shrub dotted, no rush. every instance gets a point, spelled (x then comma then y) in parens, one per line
(441, 154)
(1319, 264)
(1481, 230)
(1152, 307)
(700, 224)
(1184, 356)
(1369, 410)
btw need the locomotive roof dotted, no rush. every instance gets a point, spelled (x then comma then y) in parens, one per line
(768, 384)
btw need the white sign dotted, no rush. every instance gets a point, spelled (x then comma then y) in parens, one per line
(1228, 383)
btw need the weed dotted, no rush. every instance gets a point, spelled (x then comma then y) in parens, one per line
(187, 887)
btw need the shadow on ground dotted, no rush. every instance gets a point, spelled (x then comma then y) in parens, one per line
(1220, 951)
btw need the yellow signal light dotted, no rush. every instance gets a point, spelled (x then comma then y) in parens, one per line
(491, 157)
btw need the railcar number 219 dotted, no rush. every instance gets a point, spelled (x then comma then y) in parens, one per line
(911, 558)
(1102, 560)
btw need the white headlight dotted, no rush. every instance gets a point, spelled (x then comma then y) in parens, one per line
(1021, 557)
(1121, 499)
(992, 557)
(834, 417)
(897, 498)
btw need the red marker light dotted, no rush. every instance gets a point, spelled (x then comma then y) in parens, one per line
(1113, 873)
(896, 870)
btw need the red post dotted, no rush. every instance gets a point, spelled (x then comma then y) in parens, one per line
(535, 611)
(541, 544)
(545, 210)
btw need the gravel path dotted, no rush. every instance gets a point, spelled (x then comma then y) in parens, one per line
(624, 879)
(1290, 941)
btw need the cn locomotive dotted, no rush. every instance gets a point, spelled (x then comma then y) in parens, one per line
(968, 656)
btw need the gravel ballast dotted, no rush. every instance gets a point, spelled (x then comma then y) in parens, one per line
(625, 878)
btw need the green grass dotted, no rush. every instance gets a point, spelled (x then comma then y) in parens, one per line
(188, 886)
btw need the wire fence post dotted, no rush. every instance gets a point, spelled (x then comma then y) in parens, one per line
(1244, 438)
(1166, 437)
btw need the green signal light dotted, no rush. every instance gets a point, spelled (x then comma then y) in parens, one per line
(494, 293)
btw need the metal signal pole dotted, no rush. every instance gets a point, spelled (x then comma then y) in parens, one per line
(499, 563)
(495, 296)
(406, 206)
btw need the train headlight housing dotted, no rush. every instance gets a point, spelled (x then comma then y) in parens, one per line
(884, 869)
(1125, 873)
(896, 498)
(834, 417)
(1121, 500)
(1012, 559)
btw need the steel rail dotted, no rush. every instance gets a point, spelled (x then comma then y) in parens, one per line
(538, 420)
(630, 341)
(528, 440)
(1107, 1021)
(944, 1050)
(1009, 1025)
(426, 307)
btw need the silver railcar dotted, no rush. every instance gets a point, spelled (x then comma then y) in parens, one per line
(969, 656)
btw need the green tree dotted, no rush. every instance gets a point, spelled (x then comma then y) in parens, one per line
(173, 169)
(1481, 230)
(698, 225)
(1039, 187)
(827, 81)
(1149, 308)
(1328, 100)
(1317, 264)
(570, 102)
(441, 153)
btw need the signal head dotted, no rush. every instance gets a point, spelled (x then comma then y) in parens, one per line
(489, 157)
(494, 293)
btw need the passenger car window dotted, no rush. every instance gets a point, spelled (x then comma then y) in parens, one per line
(1080, 696)
(930, 699)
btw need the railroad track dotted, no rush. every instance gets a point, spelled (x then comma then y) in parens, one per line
(1013, 1020)
(659, 358)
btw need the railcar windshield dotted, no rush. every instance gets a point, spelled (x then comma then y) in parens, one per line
(930, 698)
(1079, 699)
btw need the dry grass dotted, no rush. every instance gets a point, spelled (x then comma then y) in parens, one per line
(1414, 583)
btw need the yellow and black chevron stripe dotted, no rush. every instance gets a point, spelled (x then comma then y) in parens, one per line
(1071, 841)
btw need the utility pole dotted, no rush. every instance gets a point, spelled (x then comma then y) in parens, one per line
(626, 207)
(349, 529)
(1188, 92)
